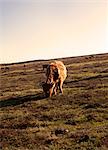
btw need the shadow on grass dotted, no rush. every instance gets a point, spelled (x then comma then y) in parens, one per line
(21, 99)
(87, 78)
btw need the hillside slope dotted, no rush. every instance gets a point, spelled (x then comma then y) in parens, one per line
(78, 119)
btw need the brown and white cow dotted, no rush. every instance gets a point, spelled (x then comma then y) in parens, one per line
(56, 73)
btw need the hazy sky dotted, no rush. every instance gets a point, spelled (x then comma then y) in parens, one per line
(37, 29)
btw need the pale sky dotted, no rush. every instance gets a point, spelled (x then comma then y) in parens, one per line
(44, 29)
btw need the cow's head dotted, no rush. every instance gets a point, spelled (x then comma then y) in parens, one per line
(52, 74)
(46, 88)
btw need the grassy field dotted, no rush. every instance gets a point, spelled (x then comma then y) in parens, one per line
(78, 119)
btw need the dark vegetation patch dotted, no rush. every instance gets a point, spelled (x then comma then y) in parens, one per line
(70, 122)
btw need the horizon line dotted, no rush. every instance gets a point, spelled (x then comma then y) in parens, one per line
(29, 61)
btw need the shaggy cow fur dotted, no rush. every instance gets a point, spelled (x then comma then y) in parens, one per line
(56, 73)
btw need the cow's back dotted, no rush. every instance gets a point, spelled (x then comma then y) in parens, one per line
(61, 70)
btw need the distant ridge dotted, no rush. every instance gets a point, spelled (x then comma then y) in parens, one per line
(40, 60)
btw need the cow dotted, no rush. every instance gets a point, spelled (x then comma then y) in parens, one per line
(56, 73)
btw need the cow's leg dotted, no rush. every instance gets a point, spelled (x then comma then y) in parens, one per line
(55, 89)
(61, 84)
(51, 90)
(58, 87)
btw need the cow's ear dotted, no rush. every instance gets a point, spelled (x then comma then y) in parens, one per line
(48, 66)
(48, 70)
